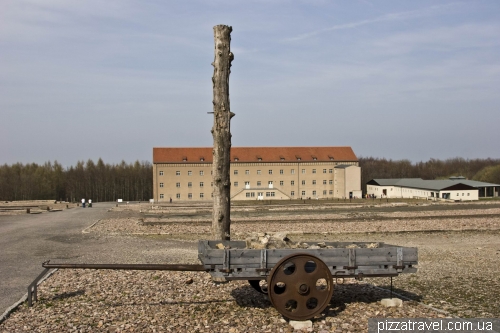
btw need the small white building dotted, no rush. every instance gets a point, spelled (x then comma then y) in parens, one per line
(419, 188)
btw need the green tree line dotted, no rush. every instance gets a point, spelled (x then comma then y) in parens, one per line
(485, 170)
(96, 181)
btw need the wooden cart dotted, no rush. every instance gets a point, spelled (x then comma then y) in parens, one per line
(299, 282)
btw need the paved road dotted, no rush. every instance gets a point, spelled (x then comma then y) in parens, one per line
(27, 240)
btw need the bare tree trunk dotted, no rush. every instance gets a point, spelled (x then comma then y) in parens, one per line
(221, 133)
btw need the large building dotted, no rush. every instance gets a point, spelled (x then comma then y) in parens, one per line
(258, 173)
(455, 188)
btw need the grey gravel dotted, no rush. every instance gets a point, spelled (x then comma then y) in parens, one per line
(458, 269)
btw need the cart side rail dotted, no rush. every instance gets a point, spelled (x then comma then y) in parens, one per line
(331, 257)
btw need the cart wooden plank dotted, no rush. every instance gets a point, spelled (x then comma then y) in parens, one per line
(232, 260)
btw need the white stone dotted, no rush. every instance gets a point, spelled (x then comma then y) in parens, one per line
(300, 325)
(389, 302)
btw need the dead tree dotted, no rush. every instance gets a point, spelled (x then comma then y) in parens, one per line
(221, 222)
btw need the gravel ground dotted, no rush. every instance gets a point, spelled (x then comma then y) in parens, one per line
(35, 207)
(459, 256)
(128, 220)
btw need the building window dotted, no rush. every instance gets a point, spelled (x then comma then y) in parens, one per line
(330, 170)
(235, 184)
(270, 183)
(292, 182)
(281, 183)
(161, 173)
(247, 172)
(202, 159)
(235, 172)
(330, 182)
(269, 194)
(178, 196)
(247, 184)
(292, 171)
(314, 182)
(236, 159)
(161, 196)
(468, 194)
(211, 184)
(303, 170)
(161, 184)
(314, 170)
(190, 184)
(324, 170)
(324, 182)
(258, 172)
(201, 184)
(190, 173)
(303, 193)
(292, 193)
(250, 194)
(177, 184)
(270, 172)
(324, 192)
(259, 183)
(202, 195)
(190, 195)
(282, 171)
(177, 173)
(201, 173)
(303, 182)
(314, 192)
(330, 192)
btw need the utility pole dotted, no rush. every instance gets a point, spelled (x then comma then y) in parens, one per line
(221, 222)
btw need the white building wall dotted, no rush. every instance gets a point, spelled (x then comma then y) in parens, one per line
(464, 195)
(410, 193)
(347, 182)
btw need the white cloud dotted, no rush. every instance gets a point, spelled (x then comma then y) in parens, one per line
(390, 17)
(445, 38)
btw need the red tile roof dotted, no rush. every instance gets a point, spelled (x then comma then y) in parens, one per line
(252, 154)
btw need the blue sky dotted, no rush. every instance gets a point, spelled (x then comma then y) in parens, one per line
(112, 79)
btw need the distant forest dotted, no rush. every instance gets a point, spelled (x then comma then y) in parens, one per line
(134, 182)
(96, 181)
(484, 170)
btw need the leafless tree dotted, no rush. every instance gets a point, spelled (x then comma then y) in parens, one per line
(221, 222)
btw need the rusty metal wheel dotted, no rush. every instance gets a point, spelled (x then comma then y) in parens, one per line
(300, 286)
(259, 285)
